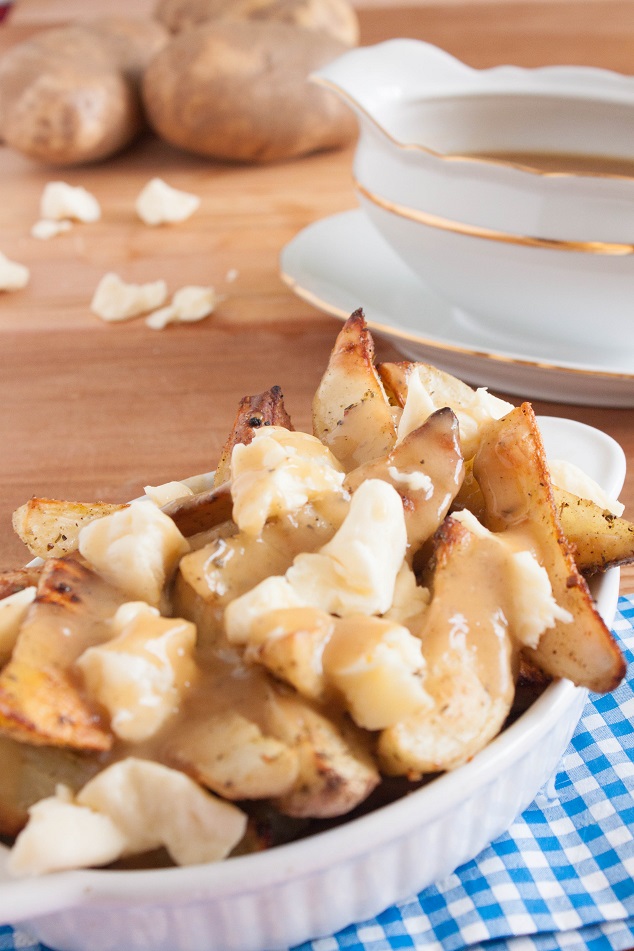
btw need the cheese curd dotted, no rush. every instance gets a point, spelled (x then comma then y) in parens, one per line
(63, 201)
(136, 549)
(534, 609)
(139, 676)
(114, 299)
(474, 409)
(47, 228)
(153, 806)
(278, 472)
(60, 835)
(12, 612)
(13, 276)
(167, 492)
(379, 668)
(188, 304)
(354, 573)
(159, 203)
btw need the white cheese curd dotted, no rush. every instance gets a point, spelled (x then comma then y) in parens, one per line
(159, 203)
(378, 667)
(155, 806)
(534, 607)
(272, 594)
(416, 481)
(418, 407)
(13, 276)
(60, 200)
(568, 476)
(13, 609)
(410, 601)
(47, 228)
(355, 572)
(474, 410)
(114, 299)
(189, 303)
(62, 835)
(139, 676)
(167, 492)
(279, 472)
(136, 549)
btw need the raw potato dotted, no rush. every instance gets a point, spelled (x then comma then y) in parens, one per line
(71, 95)
(239, 91)
(336, 17)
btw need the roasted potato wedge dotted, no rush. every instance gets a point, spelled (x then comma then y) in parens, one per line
(41, 701)
(426, 469)
(510, 467)
(599, 539)
(264, 409)
(351, 411)
(51, 527)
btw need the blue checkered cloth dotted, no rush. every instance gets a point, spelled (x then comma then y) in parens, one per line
(562, 877)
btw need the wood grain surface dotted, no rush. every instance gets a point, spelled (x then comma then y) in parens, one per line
(96, 411)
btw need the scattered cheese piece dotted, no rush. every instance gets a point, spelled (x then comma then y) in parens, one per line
(13, 276)
(139, 675)
(416, 481)
(115, 300)
(378, 667)
(62, 835)
(272, 594)
(163, 494)
(47, 228)
(154, 805)
(188, 304)
(60, 200)
(12, 611)
(159, 203)
(279, 472)
(568, 476)
(534, 607)
(136, 549)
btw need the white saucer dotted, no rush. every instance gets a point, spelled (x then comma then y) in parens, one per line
(341, 263)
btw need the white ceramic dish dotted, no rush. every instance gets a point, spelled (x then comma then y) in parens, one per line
(342, 262)
(290, 894)
(517, 247)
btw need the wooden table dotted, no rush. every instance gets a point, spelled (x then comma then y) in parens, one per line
(90, 410)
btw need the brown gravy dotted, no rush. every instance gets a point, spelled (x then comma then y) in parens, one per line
(563, 163)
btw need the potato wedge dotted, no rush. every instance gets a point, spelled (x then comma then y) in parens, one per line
(51, 527)
(599, 539)
(41, 701)
(264, 409)
(512, 472)
(17, 579)
(30, 773)
(470, 659)
(426, 469)
(336, 769)
(351, 411)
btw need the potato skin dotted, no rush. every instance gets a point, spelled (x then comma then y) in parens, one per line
(70, 95)
(239, 91)
(335, 17)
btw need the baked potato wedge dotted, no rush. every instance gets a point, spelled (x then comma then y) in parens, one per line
(41, 700)
(511, 469)
(599, 539)
(51, 527)
(351, 411)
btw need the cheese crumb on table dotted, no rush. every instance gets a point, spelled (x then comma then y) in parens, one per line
(188, 304)
(159, 203)
(47, 228)
(60, 200)
(13, 276)
(114, 299)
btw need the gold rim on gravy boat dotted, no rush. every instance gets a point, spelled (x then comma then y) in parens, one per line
(614, 249)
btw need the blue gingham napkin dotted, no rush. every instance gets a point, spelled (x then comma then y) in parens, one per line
(562, 877)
